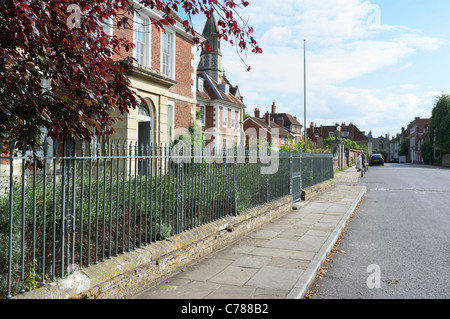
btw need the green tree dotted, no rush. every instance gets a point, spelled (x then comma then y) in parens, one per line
(404, 148)
(58, 70)
(328, 143)
(427, 151)
(440, 123)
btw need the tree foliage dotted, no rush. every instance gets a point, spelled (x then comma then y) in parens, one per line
(427, 151)
(404, 147)
(347, 143)
(440, 123)
(64, 79)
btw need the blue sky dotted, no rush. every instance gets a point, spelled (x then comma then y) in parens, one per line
(377, 63)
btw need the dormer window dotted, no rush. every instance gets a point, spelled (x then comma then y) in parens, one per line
(224, 88)
(200, 84)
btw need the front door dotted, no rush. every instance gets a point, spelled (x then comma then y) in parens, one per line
(144, 139)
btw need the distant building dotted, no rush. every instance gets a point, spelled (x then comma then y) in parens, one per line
(274, 132)
(287, 122)
(418, 128)
(319, 134)
(381, 145)
(394, 147)
(416, 132)
(220, 104)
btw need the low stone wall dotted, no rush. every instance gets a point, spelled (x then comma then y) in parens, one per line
(446, 160)
(128, 274)
(311, 192)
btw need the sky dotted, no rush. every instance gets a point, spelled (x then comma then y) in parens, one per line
(378, 63)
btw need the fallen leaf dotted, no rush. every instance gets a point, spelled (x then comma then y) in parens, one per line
(391, 281)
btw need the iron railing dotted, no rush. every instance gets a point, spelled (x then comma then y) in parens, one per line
(77, 204)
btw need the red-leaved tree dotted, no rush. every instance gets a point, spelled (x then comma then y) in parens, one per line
(63, 78)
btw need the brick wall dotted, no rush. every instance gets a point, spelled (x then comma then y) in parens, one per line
(248, 125)
(183, 114)
(123, 33)
(183, 67)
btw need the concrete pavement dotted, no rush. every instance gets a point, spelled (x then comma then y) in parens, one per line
(277, 261)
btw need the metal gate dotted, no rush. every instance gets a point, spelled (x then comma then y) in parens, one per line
(296, 176)
(309, 169)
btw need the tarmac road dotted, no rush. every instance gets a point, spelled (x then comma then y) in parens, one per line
(398, 243)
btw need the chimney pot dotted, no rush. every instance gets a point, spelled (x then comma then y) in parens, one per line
(274, 108)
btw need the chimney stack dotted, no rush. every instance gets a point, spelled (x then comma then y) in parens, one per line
(274, 108)
(257, 113)
(267, 118)
(280, 122)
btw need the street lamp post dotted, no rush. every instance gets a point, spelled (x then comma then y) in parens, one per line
(304, 91)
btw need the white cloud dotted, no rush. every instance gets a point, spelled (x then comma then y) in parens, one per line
(345, 41)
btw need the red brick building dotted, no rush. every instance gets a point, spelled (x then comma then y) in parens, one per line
(164, 76)
(219, 103)
(273, 127)
(317, 134)
(417, 129)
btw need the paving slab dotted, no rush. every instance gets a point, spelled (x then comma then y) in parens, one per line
(276, 261)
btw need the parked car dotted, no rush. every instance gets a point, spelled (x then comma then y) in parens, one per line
(375, 159)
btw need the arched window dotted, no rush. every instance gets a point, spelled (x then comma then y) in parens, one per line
(144, 114)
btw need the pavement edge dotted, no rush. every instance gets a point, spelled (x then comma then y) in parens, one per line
(307, 278)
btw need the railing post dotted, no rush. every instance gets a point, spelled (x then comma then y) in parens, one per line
(179, 189)
(235, 192)
(291, 172)
(268, 154)
(300, 160)
(11, 193)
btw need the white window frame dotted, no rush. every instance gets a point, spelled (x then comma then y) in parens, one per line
(171, 55)
(202, 118)
(200, 84)
(141, 22)
(233, 119)
(170, 121)
(107, 26)
(225, 117)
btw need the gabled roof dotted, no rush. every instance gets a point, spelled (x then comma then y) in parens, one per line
(288, 119)
(261, 122)
(212, 91)
(354, 133)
